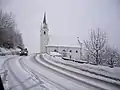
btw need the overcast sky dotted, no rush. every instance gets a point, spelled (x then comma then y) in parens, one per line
(65, 18)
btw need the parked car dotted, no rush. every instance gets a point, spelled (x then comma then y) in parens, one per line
(23, 52)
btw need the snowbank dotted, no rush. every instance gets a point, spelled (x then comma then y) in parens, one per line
(112, 73)
(3, 71)
(87, 77)
(4, 51)
(55, 54)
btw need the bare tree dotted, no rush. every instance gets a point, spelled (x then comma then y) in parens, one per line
(95, 47)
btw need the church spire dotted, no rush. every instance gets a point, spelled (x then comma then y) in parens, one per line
(44, 19)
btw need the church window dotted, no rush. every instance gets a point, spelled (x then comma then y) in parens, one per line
(64, 50)
(76, 51)
(70, 50)
(44, 32)
(70, 56)
(55, 50)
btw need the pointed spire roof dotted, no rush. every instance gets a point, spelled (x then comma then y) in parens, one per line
(44, 19)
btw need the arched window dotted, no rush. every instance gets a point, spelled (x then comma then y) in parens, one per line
(70, 56)
(76, 51)
(44, 32)
(64, 50)
(70, 50)
(55, 50)
(64, 53)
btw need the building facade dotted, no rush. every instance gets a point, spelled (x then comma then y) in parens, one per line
(68, 51)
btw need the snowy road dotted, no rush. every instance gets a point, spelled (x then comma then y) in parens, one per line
(50, 77)
(34, 73)
(18, 77)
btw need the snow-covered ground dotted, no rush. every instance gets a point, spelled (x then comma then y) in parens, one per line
(111, 73)
(15, 76)
(53, 80)
(2, 60)
(82, 76)
(3, 71)
(19, 77)
(4, 51)
(34, 73)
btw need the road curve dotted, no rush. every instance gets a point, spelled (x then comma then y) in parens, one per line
(13, 75)
(46, 75)
(62, 79)
(42, 79)
(101, 84)
(20, 79)
(68, 76)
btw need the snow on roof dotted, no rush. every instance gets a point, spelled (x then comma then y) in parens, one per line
(69, 46)
(63, 41)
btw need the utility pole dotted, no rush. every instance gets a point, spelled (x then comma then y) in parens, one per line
(80, 46)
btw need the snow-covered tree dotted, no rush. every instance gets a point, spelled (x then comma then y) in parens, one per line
(112, 57)
(9, 35)
(95, 46)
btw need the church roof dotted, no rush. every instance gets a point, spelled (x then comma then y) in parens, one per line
(63, 41)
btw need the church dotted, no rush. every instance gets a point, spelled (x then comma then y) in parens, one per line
(73, 52)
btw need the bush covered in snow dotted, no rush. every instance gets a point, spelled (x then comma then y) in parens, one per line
(4, 52)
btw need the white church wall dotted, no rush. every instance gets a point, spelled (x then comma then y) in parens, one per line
(75, 52)
(62, 49)
(71, 53)
(50, 49)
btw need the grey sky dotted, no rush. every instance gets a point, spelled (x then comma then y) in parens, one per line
(69, 18)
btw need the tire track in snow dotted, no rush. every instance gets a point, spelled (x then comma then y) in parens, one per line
(7, 64)
(79, 82)
(33, 75)
(3, 66)
(112, 84)
(92, 72)
(78, 74)
(37, 75)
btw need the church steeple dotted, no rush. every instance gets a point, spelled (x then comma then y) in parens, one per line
(44, 19)
(44, 38)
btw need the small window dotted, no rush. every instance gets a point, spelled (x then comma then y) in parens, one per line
(44, 32)
(55, 50)
(76, 51)
(70, 50)
(64, 50)
(70, 56)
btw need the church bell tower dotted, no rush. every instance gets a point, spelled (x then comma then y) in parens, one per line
(44, 39)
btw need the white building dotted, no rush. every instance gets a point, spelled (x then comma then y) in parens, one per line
(68, 51)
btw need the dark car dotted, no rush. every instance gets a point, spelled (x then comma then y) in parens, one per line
(24, 52)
